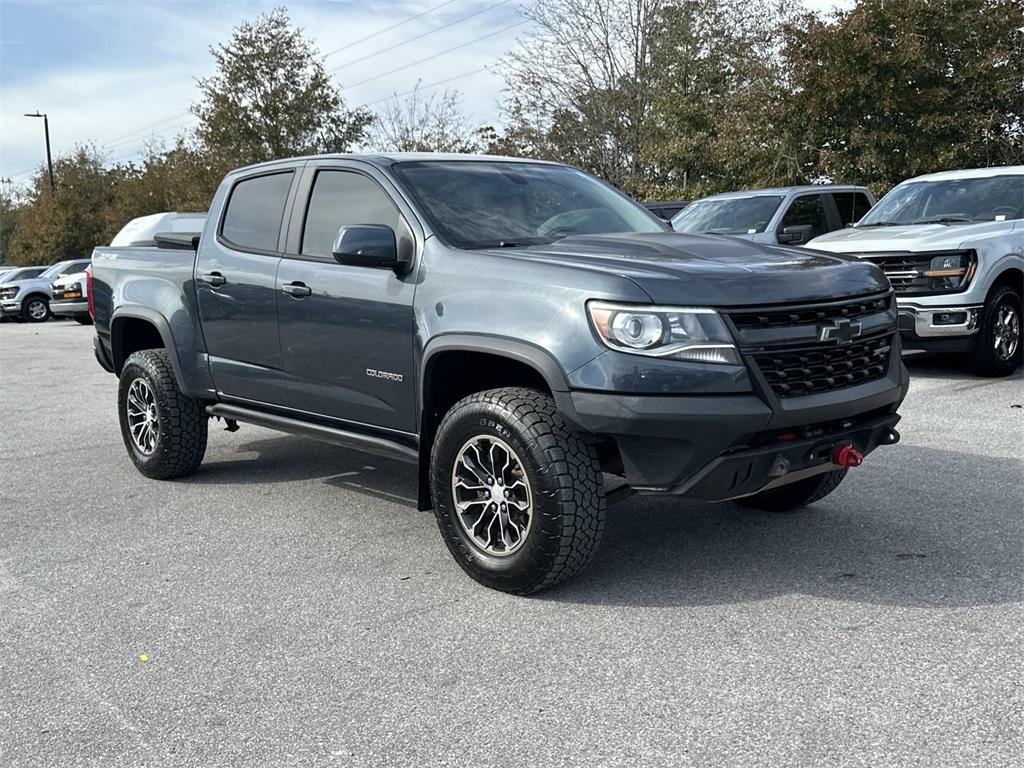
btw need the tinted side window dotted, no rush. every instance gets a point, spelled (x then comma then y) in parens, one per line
(71, 269)
(342, 199)
(852, 206)
(809, 209)
(254, 211)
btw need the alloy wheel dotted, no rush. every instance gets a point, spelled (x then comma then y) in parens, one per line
(143, 418)
(37, 309)
(1006, 332)
(492, 495)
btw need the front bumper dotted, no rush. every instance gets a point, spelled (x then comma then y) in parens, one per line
(10, 307)
(719, 447)
(70, 308)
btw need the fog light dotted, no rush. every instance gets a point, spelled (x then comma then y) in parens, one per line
(949, 318)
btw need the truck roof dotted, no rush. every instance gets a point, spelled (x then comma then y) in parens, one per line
(787, 190)
(389, 158)
(970, 173)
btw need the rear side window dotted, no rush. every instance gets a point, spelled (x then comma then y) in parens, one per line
(254, 211)
(809, 209)
(78, 266)
(341, 199)
(852, 206)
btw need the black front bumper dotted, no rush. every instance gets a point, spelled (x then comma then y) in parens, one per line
(718, 447)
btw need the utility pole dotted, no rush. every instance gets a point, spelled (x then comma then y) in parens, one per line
(46, 131)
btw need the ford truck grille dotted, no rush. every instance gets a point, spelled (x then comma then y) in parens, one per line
(807, 371)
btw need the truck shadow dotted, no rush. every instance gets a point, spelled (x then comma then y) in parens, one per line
(919, 527)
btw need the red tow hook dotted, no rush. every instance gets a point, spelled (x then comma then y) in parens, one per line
(846, 455)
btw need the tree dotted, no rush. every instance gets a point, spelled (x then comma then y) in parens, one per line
(272, 98)
(434, 123)
(579, 87)
(890, 90)
(69, 222)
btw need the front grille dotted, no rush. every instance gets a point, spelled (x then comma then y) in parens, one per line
(904, 270)
(786, 317)
(810, 370)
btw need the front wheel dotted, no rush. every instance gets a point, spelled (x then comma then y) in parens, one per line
(998, 350)
(164, 430)
(787, 498)
(518, 494)
(36, 309)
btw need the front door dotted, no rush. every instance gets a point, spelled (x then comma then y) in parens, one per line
(346, 332)
(236, 288)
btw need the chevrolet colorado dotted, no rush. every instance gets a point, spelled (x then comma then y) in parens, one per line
(518, 330)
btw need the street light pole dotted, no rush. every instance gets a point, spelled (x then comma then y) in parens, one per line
(46, 131)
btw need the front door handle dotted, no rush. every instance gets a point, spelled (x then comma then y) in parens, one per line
(297, 289)
(216, 279)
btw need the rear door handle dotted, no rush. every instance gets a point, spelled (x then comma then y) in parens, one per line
(297, 289)
(215, 279)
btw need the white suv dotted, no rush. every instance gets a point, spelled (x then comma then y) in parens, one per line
(952, 245)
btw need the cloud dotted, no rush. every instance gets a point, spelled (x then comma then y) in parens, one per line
(150, 57)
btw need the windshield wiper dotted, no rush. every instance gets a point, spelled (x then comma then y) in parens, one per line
(882, 224)
(944, 220)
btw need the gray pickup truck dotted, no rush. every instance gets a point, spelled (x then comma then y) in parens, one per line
(518, 330)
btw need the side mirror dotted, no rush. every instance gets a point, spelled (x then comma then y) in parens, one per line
(368, 245)
(796, 234)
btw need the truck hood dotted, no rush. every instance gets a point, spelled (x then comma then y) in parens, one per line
(709, 270)
(913, 237)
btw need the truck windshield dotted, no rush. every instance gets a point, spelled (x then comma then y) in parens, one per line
(953, 201)
(728, 216)
(481, 204)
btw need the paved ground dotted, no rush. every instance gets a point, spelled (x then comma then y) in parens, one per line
(295, 609)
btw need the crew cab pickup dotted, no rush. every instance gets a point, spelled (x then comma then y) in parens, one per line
(520, 331)
(952, 245)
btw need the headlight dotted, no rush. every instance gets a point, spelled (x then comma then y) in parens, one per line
(676, 333)
(950, 272)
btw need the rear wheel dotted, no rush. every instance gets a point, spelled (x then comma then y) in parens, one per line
(164, 430)
(998, 350)
(517, 493)
(786, 498)
(35, 309)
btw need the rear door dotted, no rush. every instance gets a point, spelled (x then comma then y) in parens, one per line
(850, 206)
(346, 332)
(236, 274)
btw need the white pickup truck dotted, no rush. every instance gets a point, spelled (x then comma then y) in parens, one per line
(952, 245)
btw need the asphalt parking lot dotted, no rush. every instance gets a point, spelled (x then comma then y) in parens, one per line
(289, 606)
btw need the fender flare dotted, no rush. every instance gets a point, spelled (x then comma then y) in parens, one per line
(524, 352)
(158, 321)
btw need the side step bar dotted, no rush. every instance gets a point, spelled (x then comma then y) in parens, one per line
(379, 446)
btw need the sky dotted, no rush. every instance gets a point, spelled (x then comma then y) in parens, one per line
(122, 75)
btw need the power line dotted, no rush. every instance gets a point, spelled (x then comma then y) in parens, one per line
(424, 87)
(388, 29)
(361, 59)
(439, 53)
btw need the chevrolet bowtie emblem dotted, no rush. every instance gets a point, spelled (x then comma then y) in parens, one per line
(843, 330)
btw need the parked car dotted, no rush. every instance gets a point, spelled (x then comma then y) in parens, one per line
(952, 245)
(69, 298)
(788, 215)
(28, 298)
(514, 329)
(10, 271)
(666, 209)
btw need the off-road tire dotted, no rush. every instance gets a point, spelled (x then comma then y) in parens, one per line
(564, 475)
(26, 315)
(182, 430)
(983, 359)
(787, 498)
